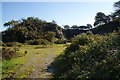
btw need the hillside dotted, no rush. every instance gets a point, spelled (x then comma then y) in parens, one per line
(107, 28)
(30, 29)
(102, 29)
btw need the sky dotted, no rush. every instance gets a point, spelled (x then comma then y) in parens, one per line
(64, 13)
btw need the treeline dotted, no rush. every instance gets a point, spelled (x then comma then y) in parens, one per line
(83, 27)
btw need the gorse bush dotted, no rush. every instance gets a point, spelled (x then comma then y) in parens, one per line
(8, 53)
(82, 39)
(12, 53)
(90, 56)
(50, 36)
(38, 42)
(89, 33)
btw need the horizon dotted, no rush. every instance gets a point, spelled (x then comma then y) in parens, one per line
(63, 13)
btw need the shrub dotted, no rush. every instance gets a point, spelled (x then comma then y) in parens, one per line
(8, 53)
(12, 44)
(60, 42)
(90, 56)
(54, 40)
(89, 33)
(82, 39)
(49, 36)
(38, 42)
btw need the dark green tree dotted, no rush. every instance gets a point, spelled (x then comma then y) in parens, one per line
(83, 27)
(117, 9)
(117, 5)
(66, 27)
(53, 21)
(11, 23)
(74, 27)
(100, 19)
(90, 26)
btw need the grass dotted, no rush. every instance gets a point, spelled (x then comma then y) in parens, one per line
(9, 67)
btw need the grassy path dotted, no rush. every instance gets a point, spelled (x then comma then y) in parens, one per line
(38, 61)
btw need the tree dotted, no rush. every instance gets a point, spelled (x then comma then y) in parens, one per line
(17, 34)
(83, 27)
(66, 27)
(30, 29)
(11, 23)
(7, 24)
(90, 26)
(53, 21)
(100, 19)
(117, 5)
(74, 27)
(117, 9)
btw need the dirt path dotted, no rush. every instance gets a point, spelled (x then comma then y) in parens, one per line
(40, 68)
(39, 63)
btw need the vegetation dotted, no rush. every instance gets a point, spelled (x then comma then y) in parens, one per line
(92, 53)
(37, 42)
(117, 9)
(107, 28)
(90, 56)
(30, 29)
(12, 44)
(7, 54)
(101, 18)
(12, 59)
(10, 68)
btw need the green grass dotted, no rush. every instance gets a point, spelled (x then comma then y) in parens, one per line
(9, 67)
